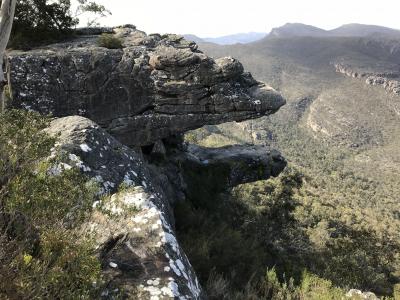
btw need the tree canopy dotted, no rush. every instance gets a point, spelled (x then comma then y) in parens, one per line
(38, 21)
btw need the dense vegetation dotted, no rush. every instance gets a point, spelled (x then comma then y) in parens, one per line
(42, 254)
(345, 215)
(43, 21)
(318, 216)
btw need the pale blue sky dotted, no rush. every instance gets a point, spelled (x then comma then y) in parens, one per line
(208, 18)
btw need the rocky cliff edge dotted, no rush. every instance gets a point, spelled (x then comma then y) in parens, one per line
(154, 87)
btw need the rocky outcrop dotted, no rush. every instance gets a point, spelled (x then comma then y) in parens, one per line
(357, 294)
(232, 165)
(133, 226)
(155, 87)
(348, 71)
(143, 96)
(391, 85)
(390, 81)
(132, 222)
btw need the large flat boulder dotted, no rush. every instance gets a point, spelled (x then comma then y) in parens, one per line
(154, 87)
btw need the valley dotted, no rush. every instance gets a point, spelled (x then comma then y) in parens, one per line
(338, 131)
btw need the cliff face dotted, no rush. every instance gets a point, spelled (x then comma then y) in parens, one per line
(155, 87)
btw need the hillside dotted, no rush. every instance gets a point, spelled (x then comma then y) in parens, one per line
(347, 30)
(290, 30)
(340, 130)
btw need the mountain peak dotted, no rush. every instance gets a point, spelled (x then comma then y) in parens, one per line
(297, 29)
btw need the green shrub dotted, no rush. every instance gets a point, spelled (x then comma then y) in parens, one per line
(109, 41)
(64, 268)
(41, 197)
(42, 256)
(314, 288)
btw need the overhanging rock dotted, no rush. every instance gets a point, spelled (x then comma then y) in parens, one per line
(229, 166)
(155, 87)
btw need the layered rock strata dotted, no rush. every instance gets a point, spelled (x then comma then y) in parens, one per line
(154, 87)
(390, 81)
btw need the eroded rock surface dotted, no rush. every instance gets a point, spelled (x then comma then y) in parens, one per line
(155, 87)
(233, 165)
(389, 80)
(133, 227)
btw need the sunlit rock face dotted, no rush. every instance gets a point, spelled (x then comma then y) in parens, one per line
(154, 87)
(131, 223)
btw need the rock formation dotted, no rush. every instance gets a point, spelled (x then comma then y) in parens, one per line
(232, 165)
(357, 294)
(133, 227)
(143, 96)
(133, 223)
(390, 80)
(155, 87)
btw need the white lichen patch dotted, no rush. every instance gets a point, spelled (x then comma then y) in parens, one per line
(85, 148)
(126, 203)
(128, 180)
(140, 220)
(78, 162)
(57, 169)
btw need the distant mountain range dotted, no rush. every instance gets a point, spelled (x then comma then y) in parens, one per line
(300, 30)
(340, 126)
(239, 38)
(348, 30)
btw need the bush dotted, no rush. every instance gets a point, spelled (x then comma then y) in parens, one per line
(64, 268)
(41, 254)
(109, 41)
(270, 224)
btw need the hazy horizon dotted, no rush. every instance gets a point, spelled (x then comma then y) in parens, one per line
(219, 18)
